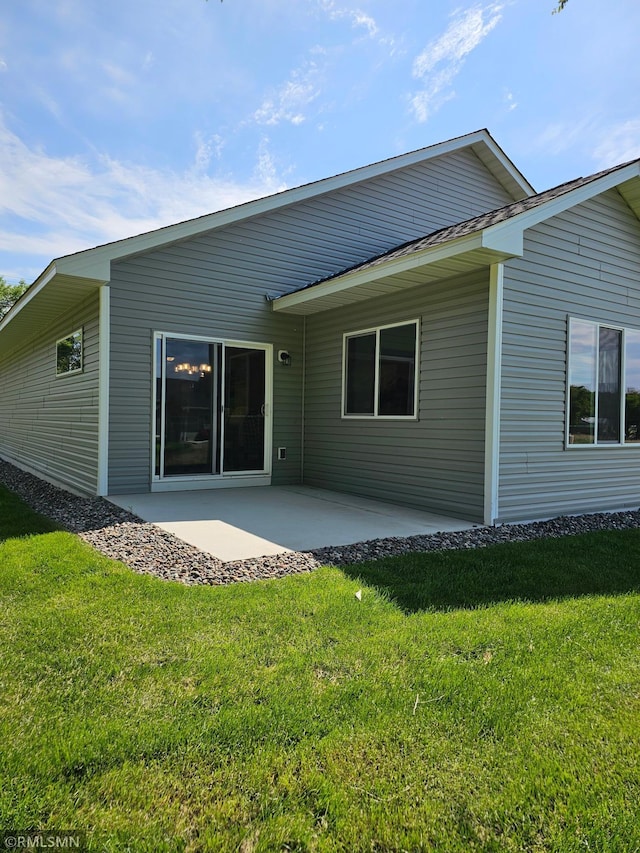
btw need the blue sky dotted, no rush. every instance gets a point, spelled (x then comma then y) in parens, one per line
(122, 116)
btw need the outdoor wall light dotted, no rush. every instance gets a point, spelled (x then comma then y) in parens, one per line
(284, 357)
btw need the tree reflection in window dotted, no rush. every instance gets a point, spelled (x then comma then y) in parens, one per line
(599, 412)
(632, 387)
(69, 354)
(582, 383)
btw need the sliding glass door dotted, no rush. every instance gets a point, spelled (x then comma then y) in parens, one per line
(244, 408)
(211, 408)
(191, 423)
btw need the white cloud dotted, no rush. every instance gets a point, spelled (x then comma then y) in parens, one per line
(442, 59)
(619, 144)
(465, 33)
(207, 148)
(51, 206)
(359, 20)
(289, 103)
(266, 171)
(3, 65)
(49, 103)
(558, 137)
(357, 17)
(510, 101)
(118, 75)
(428, 100)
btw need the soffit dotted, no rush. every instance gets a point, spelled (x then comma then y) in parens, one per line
(430, 266)
(29, 319)
(630, 192)
(455, 249)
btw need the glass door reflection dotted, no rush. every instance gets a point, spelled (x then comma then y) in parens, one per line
(191, 425)
(244, 409)
(210, 408)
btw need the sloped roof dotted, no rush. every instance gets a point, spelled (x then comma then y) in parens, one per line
(480, 141)
(476, 223)
(60, 283)
(489, 238)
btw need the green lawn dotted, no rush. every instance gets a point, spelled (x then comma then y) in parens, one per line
(479, 700)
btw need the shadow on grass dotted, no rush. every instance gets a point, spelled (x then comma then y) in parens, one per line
(602, 563)
(17, 519)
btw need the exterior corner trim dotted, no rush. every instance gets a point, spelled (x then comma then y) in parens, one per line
(303, 413)
(103, 391)
(494, 379)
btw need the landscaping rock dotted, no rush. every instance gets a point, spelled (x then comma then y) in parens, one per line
(148, 549)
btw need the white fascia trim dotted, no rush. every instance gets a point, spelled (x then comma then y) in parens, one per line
(510, 228)
(103, 391)
(517, 177)
(94, 263)
(382, 270)
(494, 379)
(303, 412)
(510, 244)
(505, 238)
(85, 265)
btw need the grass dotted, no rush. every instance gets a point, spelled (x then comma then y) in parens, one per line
(484, 700)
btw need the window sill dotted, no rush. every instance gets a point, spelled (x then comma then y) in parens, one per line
(380, 417)
(602, 446)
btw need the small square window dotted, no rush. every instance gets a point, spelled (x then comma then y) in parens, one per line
(69, 354)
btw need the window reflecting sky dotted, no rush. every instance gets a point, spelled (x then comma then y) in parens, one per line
(583, 354)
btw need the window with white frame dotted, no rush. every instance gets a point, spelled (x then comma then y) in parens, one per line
(69, 354)
(604, 385)
(380, 372)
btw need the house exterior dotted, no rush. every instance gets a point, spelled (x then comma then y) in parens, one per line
(426, 330)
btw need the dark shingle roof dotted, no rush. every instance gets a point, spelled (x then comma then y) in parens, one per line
(471, 226)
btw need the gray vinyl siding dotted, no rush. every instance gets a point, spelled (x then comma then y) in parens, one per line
(150, 294)
(436, 462)
(215, 284)
(584, 263)
(47, 423)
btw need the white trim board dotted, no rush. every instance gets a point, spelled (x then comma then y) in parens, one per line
(503, 240)
(520, 222)
(104, 348)
(210, 480)
(228, 481)
(95, 263)
(492, 416)
(476, 242)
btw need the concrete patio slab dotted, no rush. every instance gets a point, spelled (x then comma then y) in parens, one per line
(239, 524)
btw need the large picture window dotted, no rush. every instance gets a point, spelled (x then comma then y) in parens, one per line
(69, 354)
(604, 385)
(380, 372)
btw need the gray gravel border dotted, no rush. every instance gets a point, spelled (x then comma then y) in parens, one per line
(148, 549)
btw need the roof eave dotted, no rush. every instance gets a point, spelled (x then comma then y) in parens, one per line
(510, 228)
(43, 279)
(493, 244)
(471, 252)
(497, 162)
(93, 262)
(45, 305)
